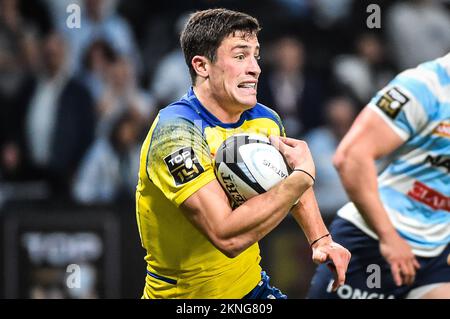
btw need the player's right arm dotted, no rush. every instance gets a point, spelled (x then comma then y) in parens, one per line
(371, 138)
(179, 164)
(233, 231)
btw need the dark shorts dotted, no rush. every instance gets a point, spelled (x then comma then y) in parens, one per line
(264, 291)
(369, 275)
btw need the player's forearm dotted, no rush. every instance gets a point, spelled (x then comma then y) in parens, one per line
(359, 176)
(307, 215)
(258, 216)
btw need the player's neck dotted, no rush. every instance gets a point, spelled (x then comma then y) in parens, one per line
(223, 114)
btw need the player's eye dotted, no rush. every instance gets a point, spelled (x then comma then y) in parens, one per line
(258, 57)
(240, 56)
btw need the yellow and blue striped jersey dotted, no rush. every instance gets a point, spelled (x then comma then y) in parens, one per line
(177, 159)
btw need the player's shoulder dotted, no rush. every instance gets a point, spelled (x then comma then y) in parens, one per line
(179, 116)
(262, 111)
(180, 110)
(176, 119)
(426, 86)
(430, 79)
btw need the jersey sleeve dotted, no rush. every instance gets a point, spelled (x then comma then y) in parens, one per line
(406, 103)
(279, 122)
(179, 161)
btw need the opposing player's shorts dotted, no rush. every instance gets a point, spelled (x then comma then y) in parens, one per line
(264, 291)
(369, 275)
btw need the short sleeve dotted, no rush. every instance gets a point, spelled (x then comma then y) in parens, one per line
(179, 161)
(406, 103)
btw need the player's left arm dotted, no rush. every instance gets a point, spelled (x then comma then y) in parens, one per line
(324, 249)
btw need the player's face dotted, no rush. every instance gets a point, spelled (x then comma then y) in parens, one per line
(234, 74)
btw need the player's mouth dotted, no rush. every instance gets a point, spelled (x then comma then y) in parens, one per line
(250, 86)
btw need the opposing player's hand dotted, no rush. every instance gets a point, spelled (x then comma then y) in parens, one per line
(399, 255)
(335, 256)
(296, 153)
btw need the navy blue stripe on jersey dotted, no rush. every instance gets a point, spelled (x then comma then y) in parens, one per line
(165, 279)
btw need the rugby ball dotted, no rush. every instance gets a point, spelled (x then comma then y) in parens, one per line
(247, 165)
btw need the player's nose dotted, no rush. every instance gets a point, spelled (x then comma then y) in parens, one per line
(253, 67)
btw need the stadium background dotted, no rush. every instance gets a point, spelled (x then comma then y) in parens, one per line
(75, 104)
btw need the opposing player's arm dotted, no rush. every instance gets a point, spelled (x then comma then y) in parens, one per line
(233, 231)
(371, 138)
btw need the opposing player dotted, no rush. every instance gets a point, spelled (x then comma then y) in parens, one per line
(197, 246)
(398, 225)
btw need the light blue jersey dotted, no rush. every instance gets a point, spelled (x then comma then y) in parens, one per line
(415, 186)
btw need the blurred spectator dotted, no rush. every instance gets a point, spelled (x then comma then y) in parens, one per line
(287, 88)
(12, 32)
(110, 168)
(99, 20)
(362, 74)
(57, 120)
(419, 31)
(295, 8)
(99, 57)
(18, 48)
(323, 141)
(121, 94)
(329, 12)
(171, 80)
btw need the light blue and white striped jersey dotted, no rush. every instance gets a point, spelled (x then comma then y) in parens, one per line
(415, 186)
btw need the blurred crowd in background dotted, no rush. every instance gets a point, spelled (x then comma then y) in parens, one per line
(76, 103)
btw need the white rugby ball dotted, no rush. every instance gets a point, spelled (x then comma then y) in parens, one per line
(247, 165)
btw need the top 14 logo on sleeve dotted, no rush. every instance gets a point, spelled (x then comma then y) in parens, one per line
(183, 165)
(392, 101)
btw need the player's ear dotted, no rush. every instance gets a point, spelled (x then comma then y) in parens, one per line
(200, 65)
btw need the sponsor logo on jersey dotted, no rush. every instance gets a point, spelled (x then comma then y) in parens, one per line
(428, 196)
(392, 101)
(439, 161)
(183, 165)
(443, 129)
